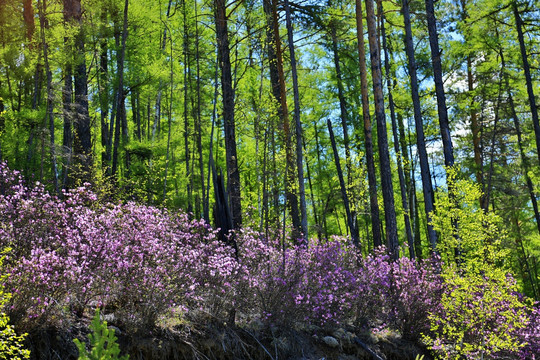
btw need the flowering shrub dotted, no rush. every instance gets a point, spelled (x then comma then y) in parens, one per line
(76, 253)
(531, 335)
(399, 294)
(72, 253)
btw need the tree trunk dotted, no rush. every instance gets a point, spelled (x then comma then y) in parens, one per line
(120, 107)
(372, 178)
(298, 125)
(49, 115)
(528, 78)
(402, 187)
(429, 198)
(187, 79)
(382, 137)
(82, 142)
(350, 221)
(198, 123)
(233, 175)
(439, 87)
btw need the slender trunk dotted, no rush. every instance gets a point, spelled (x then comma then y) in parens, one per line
(345, 197)
(524, 257)
(49, 115)
(233, 174)
(344, 124)
(121, 113)
(525, 164)
(171, 74)
(439, 87)
(298, 125)
(372, 179)
(206, 214)
(528, 78)
(427, 187)
(382, 137)
(403, 190)
(104, 93)
(187, 78)
(82, 142)
(279, 91)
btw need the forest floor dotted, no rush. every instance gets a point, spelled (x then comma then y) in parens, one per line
(211, 340)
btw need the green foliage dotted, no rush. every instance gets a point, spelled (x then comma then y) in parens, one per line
(480, 312)
(11, 344)
(102, 341)
(478, 236)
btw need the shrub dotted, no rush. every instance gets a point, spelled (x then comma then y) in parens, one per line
(11, 344)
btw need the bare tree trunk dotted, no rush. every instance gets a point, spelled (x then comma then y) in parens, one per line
(528, 78)
(233, 175)
(439, 87)
(49, 116)
(429, 198)
(382, 137)
(198, 122)
(279, 91)
(298, 124)
(345, 197)
(187, 78)
(372, 178)
(82, 142)
(120, 107)
(403, 190)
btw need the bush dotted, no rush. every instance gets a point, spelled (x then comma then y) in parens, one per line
(11, 344)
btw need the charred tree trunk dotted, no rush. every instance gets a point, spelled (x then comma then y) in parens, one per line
(528, 78)
(439, 87)
(233, 175)
(429, 198)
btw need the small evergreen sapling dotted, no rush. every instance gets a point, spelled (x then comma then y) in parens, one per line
(102, 341)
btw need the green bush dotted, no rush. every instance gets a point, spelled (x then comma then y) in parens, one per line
(11, 344)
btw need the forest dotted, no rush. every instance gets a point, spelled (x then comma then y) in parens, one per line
(353, 170)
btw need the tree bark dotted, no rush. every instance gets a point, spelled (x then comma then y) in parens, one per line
(402, 187)
(298, 126)
(82, 142)
(439, 87)
(382, 137)
(233, 174)
(120, 107)
(427, 187)
(528, 78)
(350, 222)
(49, 116)
(368, 139)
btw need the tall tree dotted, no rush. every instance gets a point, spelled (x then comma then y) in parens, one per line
(527, 73)
(227, 91)
(427, 187)
(298, 124)
(399, 159)
(368, 138)
(382, 136)
(82, 142)
(444, 126)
